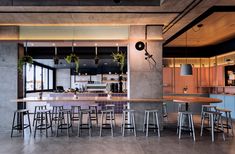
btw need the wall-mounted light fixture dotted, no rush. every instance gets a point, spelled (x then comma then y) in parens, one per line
(144, 46)
(96, 55)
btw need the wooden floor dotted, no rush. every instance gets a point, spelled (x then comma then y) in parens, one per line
(168, 142)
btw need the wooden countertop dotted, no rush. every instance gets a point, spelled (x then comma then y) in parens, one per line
(96, 99)
(177, 99)
(192, 99)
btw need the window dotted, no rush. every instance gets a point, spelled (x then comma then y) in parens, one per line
(39, 77)
(29, 77)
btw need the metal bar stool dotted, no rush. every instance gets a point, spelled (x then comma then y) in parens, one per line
(213, 118)
(155, 125)
(55, 112)
(43, 121)
(36, 108)
(131, 124)
(207, 108)
(228, 118)
(112, 117)
(75, 113)
(64, 121)
(82, 125)
(19, 114)
(189, 127)
(106, 125)
(94, 113)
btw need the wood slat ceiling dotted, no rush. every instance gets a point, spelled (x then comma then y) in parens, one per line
(217, 28)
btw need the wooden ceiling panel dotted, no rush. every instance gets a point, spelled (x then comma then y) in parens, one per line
(217, 28)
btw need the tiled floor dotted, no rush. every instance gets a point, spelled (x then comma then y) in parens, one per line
(168, 143)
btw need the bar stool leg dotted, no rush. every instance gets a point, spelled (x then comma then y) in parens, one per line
(89, 116)
(147, 127)
(35, 129)
(181, 116)
(68, 124)
(22, 122)
(101, 126)
(189, 124)
(46, 125)
(192, 124)
(202, 123)
(158, 126)
(212, 127)
(133, 116)
(154, 121)
(96, 114)
(220, 118)
(145, 116)
(79, 123)
(231, 123)
(111, 123)
(50, 122)
(13, 123)
(29, 122)
(124, 124)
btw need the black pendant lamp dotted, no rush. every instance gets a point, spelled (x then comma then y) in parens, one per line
(96, 55)
(186, 69)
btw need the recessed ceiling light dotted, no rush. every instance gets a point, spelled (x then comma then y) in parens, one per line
(84, 64)
(105, 63)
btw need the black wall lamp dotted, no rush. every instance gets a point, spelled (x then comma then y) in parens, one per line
(144, 46)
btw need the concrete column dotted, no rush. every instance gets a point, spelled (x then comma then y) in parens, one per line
(8, 88)
(145, 76)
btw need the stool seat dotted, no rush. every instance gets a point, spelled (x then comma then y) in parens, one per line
(212, 112)
(43, 111)
(152, 110)
(106, 111)
(128, 110)
(22, 110)
(223, 110)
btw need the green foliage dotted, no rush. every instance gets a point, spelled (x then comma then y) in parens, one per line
(120, 58)
(72, 58)
(22, 61)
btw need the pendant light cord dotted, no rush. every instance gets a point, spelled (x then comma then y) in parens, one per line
(186, 48)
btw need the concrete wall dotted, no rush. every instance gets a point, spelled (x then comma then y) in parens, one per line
(63, 78)
(8, 83)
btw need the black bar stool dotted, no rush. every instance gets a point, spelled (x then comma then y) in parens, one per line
(64, 121)
(94, 113)
(43, 121)
(55, 112)
(112, 117)
(75, 113)
(36, 108)
(106, 125)
(130, 125)
(155, 125)
(19, 114)
(87, 125)
(189, 127)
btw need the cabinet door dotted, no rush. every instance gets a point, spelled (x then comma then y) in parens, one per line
(229, 104)
(220, 105)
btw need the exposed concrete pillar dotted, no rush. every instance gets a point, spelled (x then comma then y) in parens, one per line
(8, 75)
(145, 76)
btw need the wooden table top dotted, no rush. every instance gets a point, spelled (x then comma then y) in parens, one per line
(192, 99)
(176, 99)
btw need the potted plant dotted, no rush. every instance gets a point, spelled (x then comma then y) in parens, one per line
(72, 58)
(120, 58)
(23, 60)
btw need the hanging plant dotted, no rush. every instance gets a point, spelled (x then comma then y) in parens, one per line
(23, 60)
(120, 58)
(72, 58)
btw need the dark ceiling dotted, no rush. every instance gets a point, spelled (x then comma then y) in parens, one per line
(86, 58)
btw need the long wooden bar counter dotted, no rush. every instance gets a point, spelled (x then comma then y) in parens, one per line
(177, 99)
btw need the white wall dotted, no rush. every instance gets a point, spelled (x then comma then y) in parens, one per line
(63, 78)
